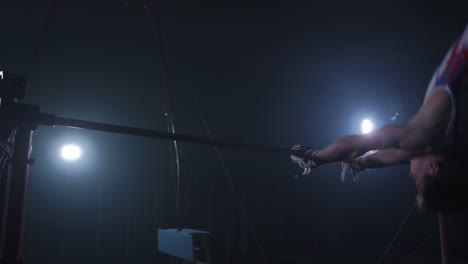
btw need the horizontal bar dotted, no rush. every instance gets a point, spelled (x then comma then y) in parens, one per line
(52, 120)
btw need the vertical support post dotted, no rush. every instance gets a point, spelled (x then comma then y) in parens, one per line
(97, 234)
(17, 201)
(7, 132)
(3, 199)
(443, 238)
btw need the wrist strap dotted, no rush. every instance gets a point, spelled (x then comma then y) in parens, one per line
(310, 154)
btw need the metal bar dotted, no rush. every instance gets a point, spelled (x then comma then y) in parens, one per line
(75, 123)
(443, 238)
(17, 201)
(170, 110)
(3, 198)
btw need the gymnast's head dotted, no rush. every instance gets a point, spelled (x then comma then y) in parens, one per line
(441, 181)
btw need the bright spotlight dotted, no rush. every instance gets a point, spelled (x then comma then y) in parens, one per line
(366, 126)
(70, 152)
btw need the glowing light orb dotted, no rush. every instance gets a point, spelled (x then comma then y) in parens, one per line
(70, 152)
(366, 126)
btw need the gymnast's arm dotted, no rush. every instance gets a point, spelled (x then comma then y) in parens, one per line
(384, 158)
(418, 136)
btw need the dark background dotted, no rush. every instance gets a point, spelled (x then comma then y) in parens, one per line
(256, 72)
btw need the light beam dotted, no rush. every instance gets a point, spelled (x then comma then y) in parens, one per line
(366, 126)
(70, 152)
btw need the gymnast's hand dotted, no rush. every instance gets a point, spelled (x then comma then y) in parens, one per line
(304, 157)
